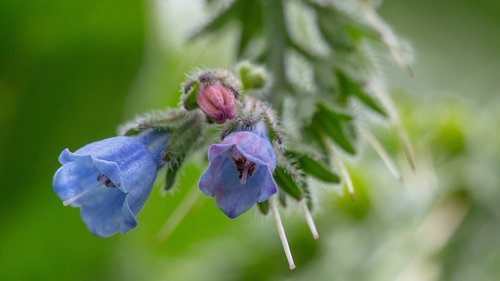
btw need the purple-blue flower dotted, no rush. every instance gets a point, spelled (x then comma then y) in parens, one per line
(110, 179)
(240, 171)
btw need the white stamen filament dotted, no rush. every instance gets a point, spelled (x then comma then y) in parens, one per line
(309, 219)
(281, 232)
(407, 146)
(244, 174)
(382, 153)
(343, 170)
(79, 195)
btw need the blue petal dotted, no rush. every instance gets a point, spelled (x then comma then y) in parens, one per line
(231, 196)
(251, 145)
(155, 140)
(102, 212)
(216, 149)
(74, 178)
(268, 186)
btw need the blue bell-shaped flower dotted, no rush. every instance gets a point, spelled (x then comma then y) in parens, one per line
(110, 179)
(240, 172)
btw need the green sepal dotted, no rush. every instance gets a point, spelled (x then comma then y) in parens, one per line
(171, 173)
(181, 141)
(286, 183)
(189, 96)
(349, 87)
(263, 207)
(314, 168)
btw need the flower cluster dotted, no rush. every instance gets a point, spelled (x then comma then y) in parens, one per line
(110, 180)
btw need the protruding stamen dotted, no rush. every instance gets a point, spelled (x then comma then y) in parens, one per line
(281, 232)
(102, 180)
(382, 153)
(309, 219)
(79, 195)
(244, 174)
(244, 167)
(343, 170)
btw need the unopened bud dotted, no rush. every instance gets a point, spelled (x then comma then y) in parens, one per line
(218, 102)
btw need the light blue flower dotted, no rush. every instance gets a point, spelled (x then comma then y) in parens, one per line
(110, 179)
(240, 172)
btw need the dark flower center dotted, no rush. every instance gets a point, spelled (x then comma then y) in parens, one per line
(105, 180)
(244, 167)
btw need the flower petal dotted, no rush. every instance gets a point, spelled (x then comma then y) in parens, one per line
(222, 181)
(74, 178)
(111, 170)
(102, 212)
(232, 197)
(268, 186)
(215, 149)
(252, 145)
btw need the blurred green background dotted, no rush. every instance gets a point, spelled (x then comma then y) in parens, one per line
(71, 71)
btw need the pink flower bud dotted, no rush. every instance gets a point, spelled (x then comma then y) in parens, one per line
(218, 102)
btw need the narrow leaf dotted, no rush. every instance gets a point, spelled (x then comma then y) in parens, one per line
(351, 88)
(317, 169)
(287, 184)
(332, 30)
(329, 122)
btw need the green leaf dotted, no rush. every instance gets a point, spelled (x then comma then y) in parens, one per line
(349, 87)
(263, 207)
(315, 168)
(340, 116)
(334, 125)
(251, 24)
(287, 184)
(332, 28)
